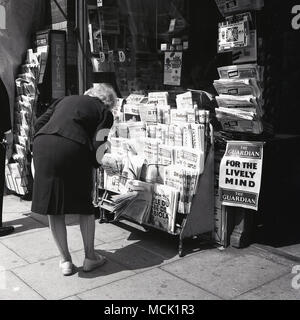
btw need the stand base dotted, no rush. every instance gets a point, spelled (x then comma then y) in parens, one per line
(5, 231)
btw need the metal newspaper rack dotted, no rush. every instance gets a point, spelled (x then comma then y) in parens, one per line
(198, 222)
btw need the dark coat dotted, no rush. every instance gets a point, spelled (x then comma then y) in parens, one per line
(77, 118)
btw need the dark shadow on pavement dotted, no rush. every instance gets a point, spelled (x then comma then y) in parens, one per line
(152, 249)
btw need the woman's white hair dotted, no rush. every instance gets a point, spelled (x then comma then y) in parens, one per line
(105, 93)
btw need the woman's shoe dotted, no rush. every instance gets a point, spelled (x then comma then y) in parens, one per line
(90, 265)
(67, 268)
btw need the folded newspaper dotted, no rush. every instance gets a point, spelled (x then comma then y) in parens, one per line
(139, 208)
(243, 71)
(116, 204)
(238, 87)
(186, 182)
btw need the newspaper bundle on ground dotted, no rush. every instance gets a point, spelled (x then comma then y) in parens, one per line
(240, 174)
(164, 208)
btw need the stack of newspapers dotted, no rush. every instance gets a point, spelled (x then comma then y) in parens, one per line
(163, 150)
(240, 102)
(17, 170)
(134, 204)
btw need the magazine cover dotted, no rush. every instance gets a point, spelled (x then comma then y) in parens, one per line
(164, 208)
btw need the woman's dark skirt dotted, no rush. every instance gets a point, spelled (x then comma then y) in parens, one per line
(63, 181)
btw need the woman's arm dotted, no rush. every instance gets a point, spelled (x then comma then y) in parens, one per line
(43, 120)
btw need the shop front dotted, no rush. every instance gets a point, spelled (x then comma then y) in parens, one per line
(199, 144)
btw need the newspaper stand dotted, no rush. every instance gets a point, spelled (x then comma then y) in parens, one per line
(198, 222)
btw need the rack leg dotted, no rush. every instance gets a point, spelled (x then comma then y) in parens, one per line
(180, 248)
(102, 219)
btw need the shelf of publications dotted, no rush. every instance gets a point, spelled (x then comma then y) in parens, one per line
(198, 222)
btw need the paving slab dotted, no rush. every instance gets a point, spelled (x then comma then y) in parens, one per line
(227, 278)
(264, 252)
(22, 222)
(293, 250)
(280, 289)
(39, 246)
(12, 288)
(154, 284)
(71, 219)
(13, 204)
(127, 253)
(72, 298)
(9, 260)
(108, 232)
(46, 278)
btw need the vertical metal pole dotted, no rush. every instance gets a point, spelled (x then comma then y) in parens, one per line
(4, 231)
(81, 25)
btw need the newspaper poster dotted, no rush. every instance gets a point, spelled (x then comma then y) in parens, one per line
(233, 35)
(173, 66)
(240, 174)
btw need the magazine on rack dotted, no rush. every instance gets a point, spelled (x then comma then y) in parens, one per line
(139, 209)
(241, 125)
(240, 103)
(164, 208)
(132, 113)
(186, 182)
(189, 158)
(185, 101)
(226, 113)
(149, 114)
(135, 98)
(238, 87)
(243, 71)
(158, 98)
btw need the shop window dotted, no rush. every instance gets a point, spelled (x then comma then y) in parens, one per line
(125, 38)
(131, 38)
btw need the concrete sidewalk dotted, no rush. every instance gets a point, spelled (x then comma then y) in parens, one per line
(141, 265)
